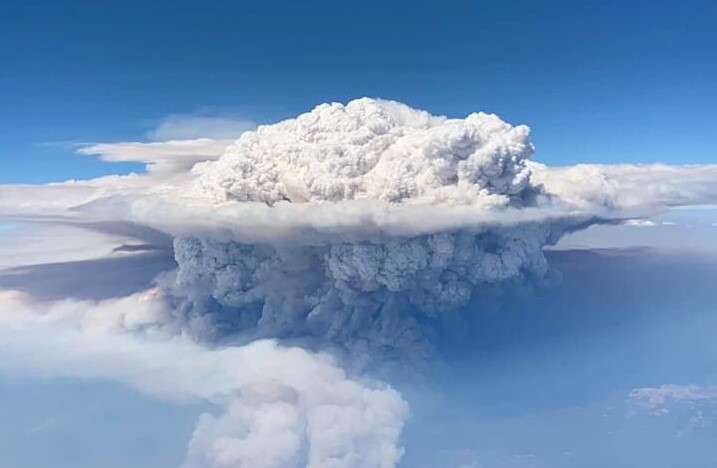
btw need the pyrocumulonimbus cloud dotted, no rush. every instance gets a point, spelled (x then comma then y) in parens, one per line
(351, 229)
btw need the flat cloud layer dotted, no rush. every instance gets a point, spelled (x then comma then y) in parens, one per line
(355, 228)
(170, 156)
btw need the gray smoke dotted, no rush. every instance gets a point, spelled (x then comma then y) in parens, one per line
(377, 295)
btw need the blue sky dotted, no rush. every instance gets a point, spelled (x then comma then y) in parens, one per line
(607, 81)
(90, 424)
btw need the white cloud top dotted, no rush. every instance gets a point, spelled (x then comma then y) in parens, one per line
(373, 149)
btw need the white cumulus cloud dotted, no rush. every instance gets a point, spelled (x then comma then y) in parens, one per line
(379, 150)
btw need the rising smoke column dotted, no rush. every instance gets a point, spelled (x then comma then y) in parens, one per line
(272, 406)
(382, 294)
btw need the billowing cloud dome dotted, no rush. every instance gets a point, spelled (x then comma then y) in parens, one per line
(375, 149)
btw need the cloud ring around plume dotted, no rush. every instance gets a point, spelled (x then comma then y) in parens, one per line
(367, 168)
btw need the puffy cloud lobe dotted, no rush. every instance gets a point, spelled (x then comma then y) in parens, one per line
(178, 143)
(266, 428)
(373, 149)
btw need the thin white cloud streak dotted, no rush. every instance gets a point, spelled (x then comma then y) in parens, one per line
(166, 157)
(640, 223)
(35, 244)
(283, 407)
(188, 127)
(378, 150)
(662, 399)
(178, 143)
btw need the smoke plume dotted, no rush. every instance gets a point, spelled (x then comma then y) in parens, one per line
(355, 229)
(374, 292)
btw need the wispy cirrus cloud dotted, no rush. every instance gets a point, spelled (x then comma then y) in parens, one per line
(160, 156)
(188, 127)
(661, 399)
